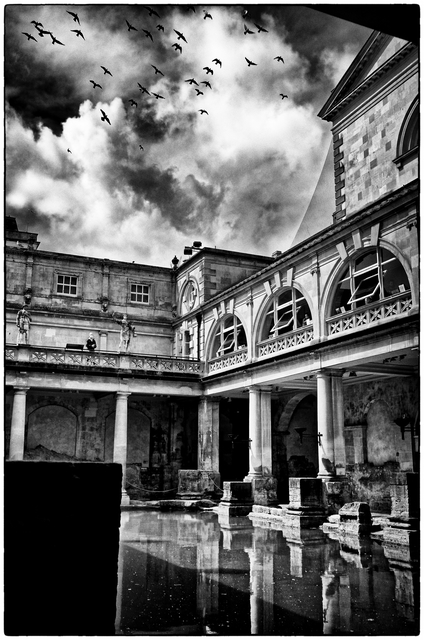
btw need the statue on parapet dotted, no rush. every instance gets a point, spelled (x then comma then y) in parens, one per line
(23, 322)
(127, 330)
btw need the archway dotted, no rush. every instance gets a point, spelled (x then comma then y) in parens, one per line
(54, 428)
(296, 450)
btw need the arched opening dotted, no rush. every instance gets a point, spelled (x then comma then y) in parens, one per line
(408, 141)
(51, 433)
(296, 442)
(234, 439)
(371, 276)
(230, 336)
(286, 312)
(138, 438)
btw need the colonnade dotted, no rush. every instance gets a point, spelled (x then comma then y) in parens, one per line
(330, 429)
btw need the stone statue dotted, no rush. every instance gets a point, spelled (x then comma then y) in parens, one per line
(127, 329)
(23, 321)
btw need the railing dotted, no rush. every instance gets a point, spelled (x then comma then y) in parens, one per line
(232, 359)
(286, 341)
(360, 318)
(108, 359)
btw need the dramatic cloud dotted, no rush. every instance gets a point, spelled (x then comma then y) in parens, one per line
(238, 177)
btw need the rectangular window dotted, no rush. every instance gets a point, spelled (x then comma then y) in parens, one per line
(67, 285)
(140, 293)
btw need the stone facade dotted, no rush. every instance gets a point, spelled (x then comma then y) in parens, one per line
(244, 369)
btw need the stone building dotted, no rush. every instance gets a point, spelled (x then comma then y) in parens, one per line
(241, 367)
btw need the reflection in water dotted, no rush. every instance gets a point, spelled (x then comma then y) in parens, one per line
(183, 573)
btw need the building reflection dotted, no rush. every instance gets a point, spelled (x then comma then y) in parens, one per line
(210, 575)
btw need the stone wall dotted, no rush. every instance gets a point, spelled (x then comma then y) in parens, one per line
(375, 448)
(162, 434)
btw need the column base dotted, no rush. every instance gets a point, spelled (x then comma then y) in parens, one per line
(125, 499)
(264, 490)
(237, 499)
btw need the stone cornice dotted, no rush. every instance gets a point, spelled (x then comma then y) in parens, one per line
(328, 113)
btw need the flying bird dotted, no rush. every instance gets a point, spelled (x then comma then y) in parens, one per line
(68, 150)
(37, 24)
(192, 81)
(148, 34)
(56, 41)
(258, 26)
(207, 15)
(247, 30)
(130, 26)
(203, 111)
(104, 117)
(143, 89)
(160, 27)
(29, 36)
(42, 32)
(217, 61)
(152, 12)
(208, 70)
(78, 32)
(74, 15)
(96, 85)
(250, 63)
(283, 96)
(157, 96)
(141, 147)
(105, 71)
(205, 82)
(244, 13)
(133, 102)
(156, 70)
(279, 59)
(180, 36)
(199, 93)
(177, 47)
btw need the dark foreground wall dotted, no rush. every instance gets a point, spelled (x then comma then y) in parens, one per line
(61, 543)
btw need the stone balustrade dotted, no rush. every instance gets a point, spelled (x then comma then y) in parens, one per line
(232, 359)
(286, 341)
(102, 359)
(370, 314)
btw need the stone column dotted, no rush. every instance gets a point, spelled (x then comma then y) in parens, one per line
(255, 436)
(325, 426)
(120, 438)
(17, 431)
(208, 453)
(266, 426)
(338, 422)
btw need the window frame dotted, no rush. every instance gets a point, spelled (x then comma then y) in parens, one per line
(294, 305)
(70, 275)
(378, 269)
(132, 284)
(228, 334)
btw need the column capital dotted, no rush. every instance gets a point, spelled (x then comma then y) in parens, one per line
(21, 388)
(123, 394)
(328, 372)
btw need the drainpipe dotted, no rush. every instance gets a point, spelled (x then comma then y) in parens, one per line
(199, 322)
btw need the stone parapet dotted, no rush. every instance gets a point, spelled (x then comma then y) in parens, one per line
(237, 499)
(355, 519)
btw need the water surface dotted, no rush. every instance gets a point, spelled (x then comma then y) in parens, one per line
(183, 573)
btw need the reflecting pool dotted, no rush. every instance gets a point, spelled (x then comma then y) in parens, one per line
(183, 573)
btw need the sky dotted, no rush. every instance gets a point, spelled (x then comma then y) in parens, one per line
(238, 177)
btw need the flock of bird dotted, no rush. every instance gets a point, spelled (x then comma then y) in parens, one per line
(42, 32)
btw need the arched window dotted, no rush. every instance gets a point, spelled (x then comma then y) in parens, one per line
(408, 140)
(189, 298)
(230, 336)
(371, 276)
(287, 312)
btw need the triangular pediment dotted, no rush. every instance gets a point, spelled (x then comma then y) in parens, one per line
(375, 53)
